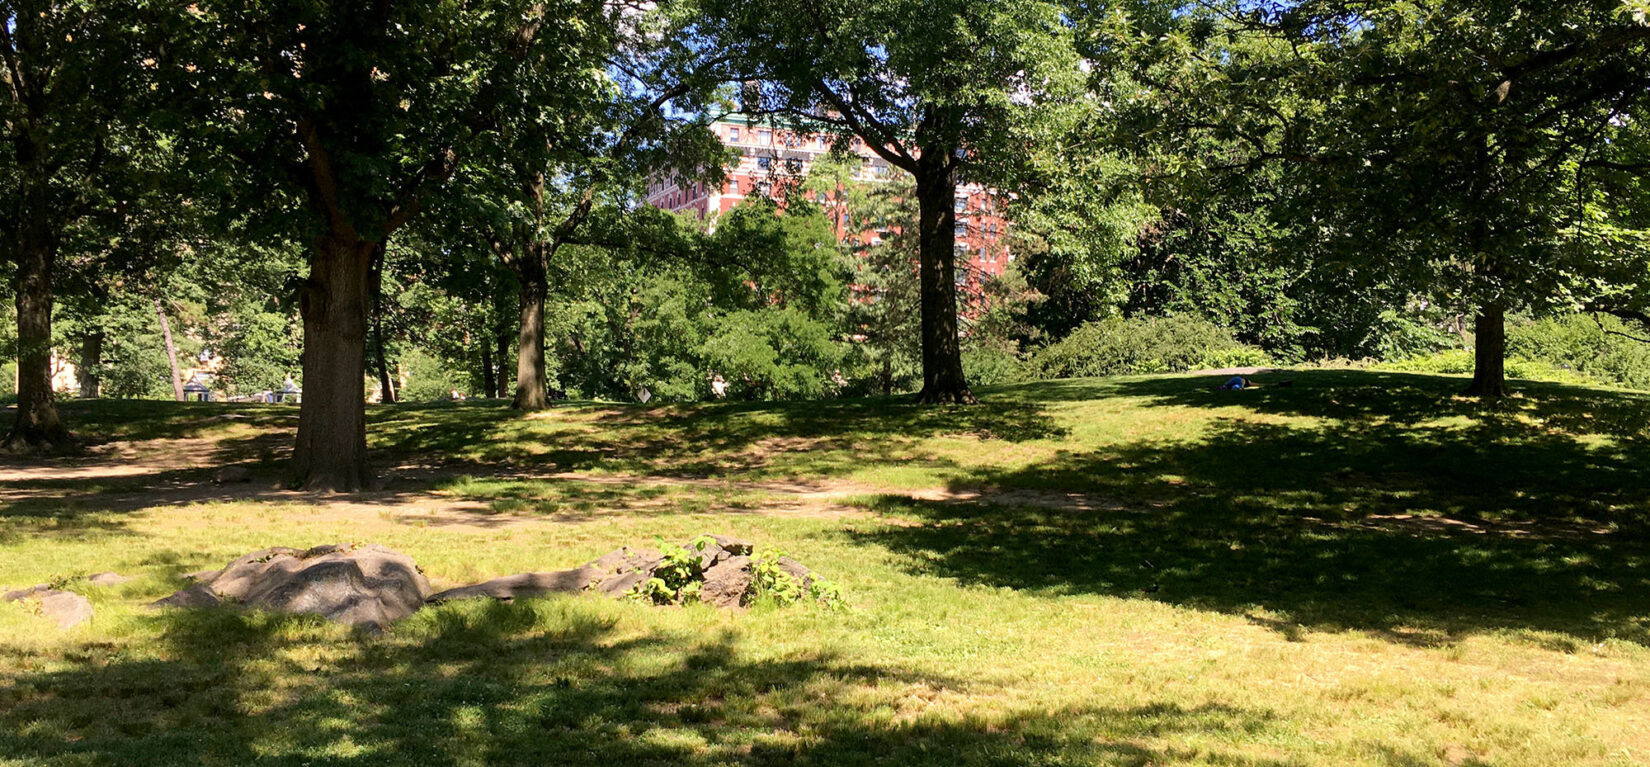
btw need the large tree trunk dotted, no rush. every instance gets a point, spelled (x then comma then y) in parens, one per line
(91, 364)
(531, 386)
(942, 372)
(1489, 353)
(331, 451)
(171, 352)
(37, 428)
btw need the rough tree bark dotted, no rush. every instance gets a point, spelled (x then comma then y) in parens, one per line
(91, 363)
(1489, 352)
(36, 428)
(331, 450)
(171, 352)
(942, 372)
(531, 384)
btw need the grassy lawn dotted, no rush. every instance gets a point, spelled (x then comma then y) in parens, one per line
(1361, 569)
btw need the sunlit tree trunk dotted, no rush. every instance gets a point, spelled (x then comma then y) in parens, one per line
(171, 352)
(531, 384)
(331, 451)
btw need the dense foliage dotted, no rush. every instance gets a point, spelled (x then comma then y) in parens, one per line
(421, 200)
(1148, 345)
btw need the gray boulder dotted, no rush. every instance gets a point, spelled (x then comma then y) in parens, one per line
(717, 549)
(366, 586)
(727, 583)
(231, 475)
(724, 571)
(523, 585)
(622, 583)
(107, 579)
(197, 595)
(65, 608)
(796, 570)
(615, 574)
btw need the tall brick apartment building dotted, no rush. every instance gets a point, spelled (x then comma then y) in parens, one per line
(770, 157)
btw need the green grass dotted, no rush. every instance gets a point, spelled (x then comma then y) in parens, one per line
(1362, 569)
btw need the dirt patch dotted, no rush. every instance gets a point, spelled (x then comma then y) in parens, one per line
(130, 477)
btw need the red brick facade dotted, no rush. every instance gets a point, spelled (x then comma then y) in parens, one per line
(771, 157)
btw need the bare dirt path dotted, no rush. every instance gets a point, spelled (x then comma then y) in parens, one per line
(130, 477)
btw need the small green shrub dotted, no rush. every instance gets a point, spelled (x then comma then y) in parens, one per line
(989, 366)
(770, 583)
(678, 578)
(1447, 362)
(1142, 345)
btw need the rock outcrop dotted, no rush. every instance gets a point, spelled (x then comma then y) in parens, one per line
(107, 579)
(65, 608)
(722, 569)
(366, 586)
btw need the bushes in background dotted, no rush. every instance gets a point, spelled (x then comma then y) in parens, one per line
(1591, 347)
(1140, 345)
(1574, 348)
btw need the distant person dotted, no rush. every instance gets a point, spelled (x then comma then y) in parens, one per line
(1236, 383)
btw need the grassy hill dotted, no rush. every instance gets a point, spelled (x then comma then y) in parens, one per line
(1359, 569)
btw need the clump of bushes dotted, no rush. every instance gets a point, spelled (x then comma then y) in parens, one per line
(1140, 345)
(992, 365)
(1594, 348)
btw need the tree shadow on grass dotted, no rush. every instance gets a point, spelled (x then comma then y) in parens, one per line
(136, 420)
(1422, 532)
(1404, 398)
(540, 682)
(819, 438)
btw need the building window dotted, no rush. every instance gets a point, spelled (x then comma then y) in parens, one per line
(793, 165)
(761, 187)
(733, 134)
(961, 229)
(961, 204)
(764, 162)
(765, 137)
